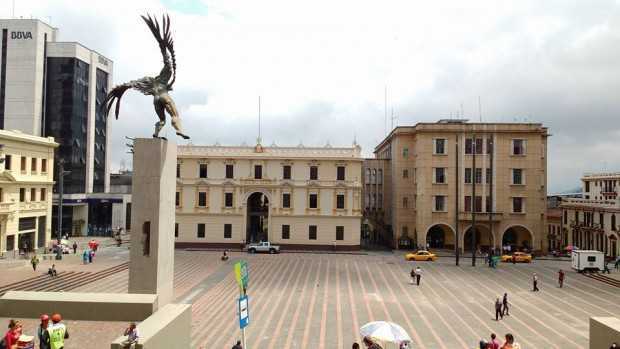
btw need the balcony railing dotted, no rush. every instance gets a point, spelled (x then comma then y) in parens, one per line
(481, 216)
(28, 206)
(5, 207)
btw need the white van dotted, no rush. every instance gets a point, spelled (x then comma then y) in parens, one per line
(588, 260)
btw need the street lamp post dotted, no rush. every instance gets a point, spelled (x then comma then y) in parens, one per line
(61, 175)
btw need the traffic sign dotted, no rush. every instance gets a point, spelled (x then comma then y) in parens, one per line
(241, 274)
(244, 312)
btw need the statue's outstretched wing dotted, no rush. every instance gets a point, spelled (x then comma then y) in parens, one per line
(144, 85)
(166, 46)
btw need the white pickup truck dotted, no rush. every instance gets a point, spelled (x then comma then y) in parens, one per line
(263, 246)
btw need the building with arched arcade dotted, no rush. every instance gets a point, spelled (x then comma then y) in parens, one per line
(428, 173)
(296, 197)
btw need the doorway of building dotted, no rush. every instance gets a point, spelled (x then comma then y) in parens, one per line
(257, 218)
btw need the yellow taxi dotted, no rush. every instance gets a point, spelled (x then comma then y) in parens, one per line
(520, 257)
(421, 255)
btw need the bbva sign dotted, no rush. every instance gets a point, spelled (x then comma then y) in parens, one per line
(21, 35)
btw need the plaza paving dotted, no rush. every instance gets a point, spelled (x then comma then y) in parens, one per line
(321, 300)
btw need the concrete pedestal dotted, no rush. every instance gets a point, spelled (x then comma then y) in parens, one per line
(151, 266)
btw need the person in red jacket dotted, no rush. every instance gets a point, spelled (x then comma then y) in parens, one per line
(11, 336)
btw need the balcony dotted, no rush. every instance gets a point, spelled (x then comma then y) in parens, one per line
(31, 206)
(480, 216)
(6, 207)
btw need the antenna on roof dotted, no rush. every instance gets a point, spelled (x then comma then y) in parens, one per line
(393, 118)
(385, 109)
(479, 108)
(258, 140)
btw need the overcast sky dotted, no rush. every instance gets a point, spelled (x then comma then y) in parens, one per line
(321, 68)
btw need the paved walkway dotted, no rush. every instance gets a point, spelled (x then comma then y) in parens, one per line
(321, 301)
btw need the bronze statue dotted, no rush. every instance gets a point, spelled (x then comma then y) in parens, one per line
(158, 86)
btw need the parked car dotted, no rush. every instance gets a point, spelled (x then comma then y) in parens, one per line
(421, 255)
(519, 257)
(263, 246)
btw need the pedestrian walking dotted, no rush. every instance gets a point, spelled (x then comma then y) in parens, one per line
(498, 310)
(494, 343)
(34, 261)
(91, 255)
(75, 246)
(561, 278)
(514, 259)
(535, 282)
(370, 344)
(237, 345)
(132, 336)
(617, 264)
(606, 268)
(412, 276)
(505, 305)
(45, 319)
(418, 275)
(85, 256)
(56, 333)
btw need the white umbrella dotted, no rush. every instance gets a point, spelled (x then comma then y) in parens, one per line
(385, 331)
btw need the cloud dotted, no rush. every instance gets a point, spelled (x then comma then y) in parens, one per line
(320, 68)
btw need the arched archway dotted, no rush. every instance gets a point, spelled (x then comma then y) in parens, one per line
(484, 239)
(518, 238)
(440, 236)
(257, 217)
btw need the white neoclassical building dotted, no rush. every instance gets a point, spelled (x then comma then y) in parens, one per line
(296, 197)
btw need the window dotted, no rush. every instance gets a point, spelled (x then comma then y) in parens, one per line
(488, 176)
(176, 230)
(227, 231)
(440, 146)
(517, 176)
(202, 199)
(178, 170)
(22, 194)
(488, 204)
(517, 205)
(43, 194)
(591, 258)
(340, 173)
(200, 233)
(478, 203)
(339, 232)
(23, 165)
(340, 201)
(33, 164)
(367, 176)
(313, 201)
(405, 173)
(613, 222)
(230, 171)
(312, 232)
(440, 203)
(286, 200)
(468, 175)
(286, 232)
(601, 220)
(565, 214)
(478, 176)
(177, 199)
(479, 145)
(286, 172)
(467, 203)
(228, 199)
(43, 165)
(380, 176)
(469, 146)
(440, 175)
(576, 216)
(489, 145)
(314, 173)
(518, 147)
(7, 162)
(1, 195)
(258, 172)
(587, 186)
(33, 194)
(405, 152)
(202, 172)
(405, 202)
